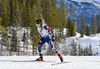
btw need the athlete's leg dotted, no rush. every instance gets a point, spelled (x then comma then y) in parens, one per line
(41, 42)
(48, 40)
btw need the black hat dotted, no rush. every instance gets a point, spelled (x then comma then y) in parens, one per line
(38, 22)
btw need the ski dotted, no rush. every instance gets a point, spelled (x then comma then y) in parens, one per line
(59, 63)
(32, 61)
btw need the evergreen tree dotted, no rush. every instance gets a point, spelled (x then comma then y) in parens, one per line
(54, 13)
(43, 5)
(59, 24)
(48, 13)
(90, 50)
(93, 24)
(33, 31)
(0, 20)
(78, 23)
(82, 34)
(39, 8)
(98, 23)
(13, 40)
(63, 14)
(71, 28)
(79, 50)
(12, 13)
(74, 49)
(82, 21)
(84, 52)
(67, 11)
(18, 14)
(87, 31)
(84, 24)
(87, 51)
(5, 17)
(29, 16)
(0, 8)
(71, 10)
(24, 14)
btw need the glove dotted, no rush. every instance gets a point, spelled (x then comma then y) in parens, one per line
(53, 39)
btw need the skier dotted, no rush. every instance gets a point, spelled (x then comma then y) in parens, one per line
(44, 30)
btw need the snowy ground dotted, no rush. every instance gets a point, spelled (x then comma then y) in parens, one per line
(81, 62)
(94, 40)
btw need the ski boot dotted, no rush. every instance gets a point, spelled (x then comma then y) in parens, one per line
(40, 58)
(61, 58)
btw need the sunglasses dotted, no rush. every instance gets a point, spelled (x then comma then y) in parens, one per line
(38, 24)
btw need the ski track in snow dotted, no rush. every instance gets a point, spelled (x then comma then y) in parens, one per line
(81, 62)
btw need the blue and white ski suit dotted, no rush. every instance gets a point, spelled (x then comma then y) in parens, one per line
(45, 37)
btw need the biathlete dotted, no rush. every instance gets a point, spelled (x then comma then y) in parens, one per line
(44, 30)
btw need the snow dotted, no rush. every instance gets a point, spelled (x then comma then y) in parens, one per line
(77, 62)
(84, 0)
(94, 40)
(95, 2)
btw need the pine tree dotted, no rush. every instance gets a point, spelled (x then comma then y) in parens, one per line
(48, 14)
(84, 24)
(24, 14)
(87, 31)
(59, 23)
(18, 13)
(67, 11)
(71, 28)
(71, 10)
(13, 40)
(93, 24)
(82, 21)
(0, 8)
(87, 51)
(79, 50)
(74, 49)
(63, 14)
(84, 52)
(54, 13)
(12, 13)
(90, 50)
(34, 32)
(29, 15)
(98, 23)
(43, 5)
(5, 17)
(0, 20)
(82, 34)
(39, 8)
(78, 23)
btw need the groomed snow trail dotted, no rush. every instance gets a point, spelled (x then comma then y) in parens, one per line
(81, 62)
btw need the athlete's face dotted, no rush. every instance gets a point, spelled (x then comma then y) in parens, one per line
(38, 25)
